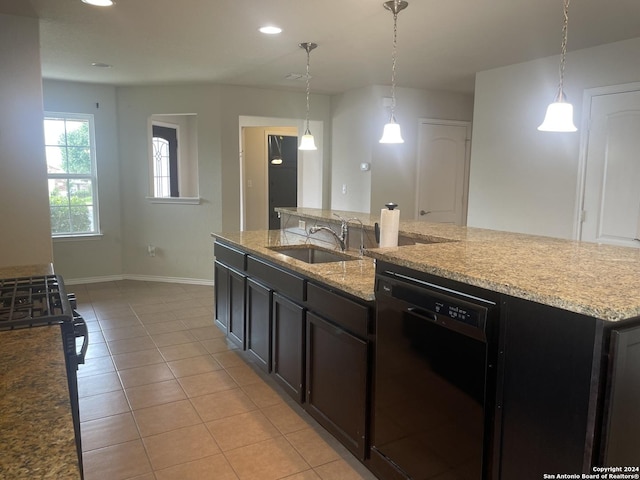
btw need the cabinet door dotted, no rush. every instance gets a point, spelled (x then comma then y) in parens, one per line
(288, 346)
(337, 383)
(547, 390)
(259, 323)
(221, 293)
(622, 418)
(236, 321)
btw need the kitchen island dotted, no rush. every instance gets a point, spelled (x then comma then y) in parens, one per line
(567, 333)
(36, 425)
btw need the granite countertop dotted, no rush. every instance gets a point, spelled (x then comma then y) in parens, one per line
(597, 280)
(26, 270)
(355, 277)
(36, 426)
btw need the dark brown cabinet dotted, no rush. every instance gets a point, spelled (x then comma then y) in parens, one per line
(621, 421)
(288, 346)
(336, 376)
(229, 291)
(337, 365)
(236, 319)
(221, 295)
(315, 342)
(259, 323)
(548, 389)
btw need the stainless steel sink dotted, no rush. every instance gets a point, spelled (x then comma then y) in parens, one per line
(313, 254)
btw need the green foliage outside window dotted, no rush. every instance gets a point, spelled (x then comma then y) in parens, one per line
(77, 156)
(70, 189)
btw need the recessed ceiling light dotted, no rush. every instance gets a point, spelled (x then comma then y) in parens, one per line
(101, 65)
(99, 3)
(270, 30)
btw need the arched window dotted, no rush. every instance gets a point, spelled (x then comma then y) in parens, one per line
(165, 161)
(161, 175)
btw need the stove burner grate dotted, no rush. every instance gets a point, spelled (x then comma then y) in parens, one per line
(29, 301)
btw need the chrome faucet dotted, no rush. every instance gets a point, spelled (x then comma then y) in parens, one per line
(361, 246)
(342, 238)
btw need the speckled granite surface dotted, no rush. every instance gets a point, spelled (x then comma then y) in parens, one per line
(355, 276)
(597, 280)
(36, 427)
(26, 270)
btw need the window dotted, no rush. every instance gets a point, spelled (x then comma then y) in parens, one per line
(165, 161)
(173, 158)
(71, 169)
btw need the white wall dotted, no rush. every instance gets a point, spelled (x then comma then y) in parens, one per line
(179, 232)
(358, 118)
(254, 102)
(96, 256)
(130, 222)
(24, 203)
(521, 179)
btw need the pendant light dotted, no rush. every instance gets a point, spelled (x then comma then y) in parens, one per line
(276, 159)
(559, 117)
(307, 142)
(391, 132)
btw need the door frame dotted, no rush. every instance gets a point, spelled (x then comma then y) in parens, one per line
(587, 97)
(313, 157)
(467, 163)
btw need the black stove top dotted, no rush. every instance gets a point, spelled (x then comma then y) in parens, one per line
(32, 301)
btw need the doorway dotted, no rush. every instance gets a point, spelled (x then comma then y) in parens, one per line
(283, 175)
(610, 197)
(442, 185)
(254, 175)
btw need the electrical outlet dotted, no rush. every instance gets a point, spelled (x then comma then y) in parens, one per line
(151, 250)
(302, 224)
(344, 188)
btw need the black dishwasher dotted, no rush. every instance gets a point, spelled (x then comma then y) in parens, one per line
(434, 384)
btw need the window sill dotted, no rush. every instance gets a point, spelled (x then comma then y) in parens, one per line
(77, 238)
(176, 200)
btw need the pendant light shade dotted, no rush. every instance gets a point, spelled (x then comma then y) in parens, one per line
(307, 141)
(276, 158)
(391, 132)
(559, 117)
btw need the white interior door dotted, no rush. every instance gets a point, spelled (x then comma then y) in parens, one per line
(443, 171)
(611, 205)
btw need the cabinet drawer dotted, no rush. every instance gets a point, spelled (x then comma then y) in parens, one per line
(230, 256)
(350, 315)
(282, 281)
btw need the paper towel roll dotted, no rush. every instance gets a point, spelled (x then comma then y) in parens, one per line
(389, 222)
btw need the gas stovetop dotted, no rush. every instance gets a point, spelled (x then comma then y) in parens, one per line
(33, 301)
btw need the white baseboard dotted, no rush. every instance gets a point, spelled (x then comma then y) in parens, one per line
(82, 281)
(144, 278)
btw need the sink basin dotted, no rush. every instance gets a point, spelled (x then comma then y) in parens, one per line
(312, 254)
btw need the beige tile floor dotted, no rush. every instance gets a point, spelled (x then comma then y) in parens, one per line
(163, 396)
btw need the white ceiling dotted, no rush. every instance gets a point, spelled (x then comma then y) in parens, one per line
(441, 43)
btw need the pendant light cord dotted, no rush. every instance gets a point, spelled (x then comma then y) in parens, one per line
(393, 64)
(563, 51)
(308, 49)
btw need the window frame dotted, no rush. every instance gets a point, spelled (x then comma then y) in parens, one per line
(187, 158)
(173, 163)
(92, 176)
